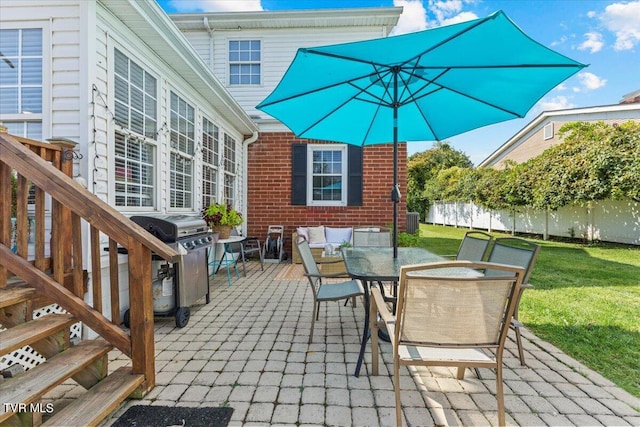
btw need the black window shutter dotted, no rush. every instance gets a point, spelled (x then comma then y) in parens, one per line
(354, 184)
(299, 174)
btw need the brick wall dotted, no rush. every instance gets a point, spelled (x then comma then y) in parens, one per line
(269, 189)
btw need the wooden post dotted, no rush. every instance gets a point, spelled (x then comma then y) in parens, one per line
(61, 215)
(141, 312)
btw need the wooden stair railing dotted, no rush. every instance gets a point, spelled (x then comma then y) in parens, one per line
(54, 265)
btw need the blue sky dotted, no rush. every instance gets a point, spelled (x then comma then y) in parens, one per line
(602, 33)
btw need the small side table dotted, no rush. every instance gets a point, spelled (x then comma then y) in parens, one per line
(332, 263)
(227, 258)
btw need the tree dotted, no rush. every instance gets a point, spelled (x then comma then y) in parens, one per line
(424, 167)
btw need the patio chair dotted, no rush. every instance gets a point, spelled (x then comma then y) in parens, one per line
(474, 246)
(521, 253)
(248, 247)
(324, 291)
(371, 236)
(450, 321)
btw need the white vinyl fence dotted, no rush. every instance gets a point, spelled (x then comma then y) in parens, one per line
(610, 221)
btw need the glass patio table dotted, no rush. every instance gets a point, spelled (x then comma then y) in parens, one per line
(376, 264)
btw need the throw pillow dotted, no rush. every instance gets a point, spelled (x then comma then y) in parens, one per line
(316, 234)
(303, 232)
(338, 235)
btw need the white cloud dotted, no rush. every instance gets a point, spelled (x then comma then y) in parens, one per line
(562, 40)
(555, 103)
(413, 17)
(447, 12)
(216, 5)
(593, 42)
(623, 19)
(590, 81)
(461, 17)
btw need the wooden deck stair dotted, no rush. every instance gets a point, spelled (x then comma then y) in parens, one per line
(70, 361)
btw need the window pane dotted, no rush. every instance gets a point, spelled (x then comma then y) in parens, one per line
(121, 64)
(32, 42)
(32, 71)
(8, 72)
(8, 100)
(32, 100)
(9, 42)
(134, 171)
(34, 130)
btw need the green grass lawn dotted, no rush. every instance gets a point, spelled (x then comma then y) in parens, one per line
(586, 301)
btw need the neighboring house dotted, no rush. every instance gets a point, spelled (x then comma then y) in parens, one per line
(156, 131)
(542, 132)
(249, 52)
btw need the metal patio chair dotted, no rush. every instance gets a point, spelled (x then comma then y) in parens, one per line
(450, 321)
(474, 246)
(248, 247)
(521, 253)
(324, 291)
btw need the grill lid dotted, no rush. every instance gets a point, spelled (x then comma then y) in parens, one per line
(170, 228)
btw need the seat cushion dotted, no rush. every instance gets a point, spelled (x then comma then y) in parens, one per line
(338, 236)
(337, 291)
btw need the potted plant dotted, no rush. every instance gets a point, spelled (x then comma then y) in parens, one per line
(221, 218)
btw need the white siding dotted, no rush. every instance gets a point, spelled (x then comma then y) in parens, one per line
(112, 35)
(279, 47)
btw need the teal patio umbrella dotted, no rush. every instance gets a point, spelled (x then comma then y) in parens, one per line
(423, 86)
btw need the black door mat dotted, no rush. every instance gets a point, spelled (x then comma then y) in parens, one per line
(162, 416)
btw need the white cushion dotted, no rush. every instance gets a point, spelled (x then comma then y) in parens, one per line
(338, 236)
(316, 235)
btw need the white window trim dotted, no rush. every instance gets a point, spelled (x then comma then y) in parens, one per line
(345, 167)
(261, 62)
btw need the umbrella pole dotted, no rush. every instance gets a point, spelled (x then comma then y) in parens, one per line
(395, 193)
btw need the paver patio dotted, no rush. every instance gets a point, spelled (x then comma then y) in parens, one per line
(248, 349)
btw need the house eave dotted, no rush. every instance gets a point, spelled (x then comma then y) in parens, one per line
(147, 19)
(311, 18)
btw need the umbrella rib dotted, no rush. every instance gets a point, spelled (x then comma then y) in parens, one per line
(448, 39)
(346, 58)
(319, 89)
(474, 67)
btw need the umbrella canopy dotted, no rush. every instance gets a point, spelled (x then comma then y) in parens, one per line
(424, 86)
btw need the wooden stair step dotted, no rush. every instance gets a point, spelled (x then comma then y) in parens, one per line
(12, 296)
(33, 331)
(34, 383)
(99, 401)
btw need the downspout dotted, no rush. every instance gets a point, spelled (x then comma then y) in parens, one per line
(205, 21)
(245, 165)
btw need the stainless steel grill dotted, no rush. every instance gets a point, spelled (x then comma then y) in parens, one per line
(191, 238)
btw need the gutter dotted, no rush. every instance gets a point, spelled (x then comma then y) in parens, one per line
(245, 165)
